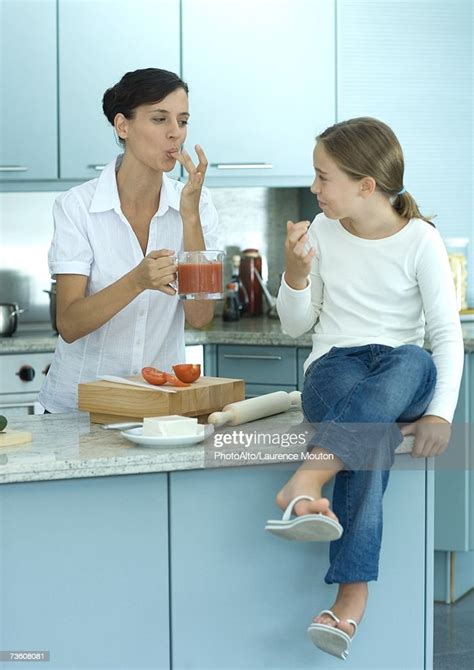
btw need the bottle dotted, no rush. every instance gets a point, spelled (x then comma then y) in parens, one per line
(457, 248)
(231, 305)
(251, 262)
(242, 292)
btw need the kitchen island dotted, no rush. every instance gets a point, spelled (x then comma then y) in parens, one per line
(119, 556)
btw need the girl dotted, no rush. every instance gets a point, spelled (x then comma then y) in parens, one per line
(114, 239)
(368, 276)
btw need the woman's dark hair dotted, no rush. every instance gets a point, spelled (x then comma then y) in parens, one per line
(140, 87)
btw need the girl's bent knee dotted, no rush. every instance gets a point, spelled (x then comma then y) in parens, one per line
(416, 359)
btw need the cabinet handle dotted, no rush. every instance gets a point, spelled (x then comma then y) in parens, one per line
(97, 167)
(254, 357)
(14, 405)
(242, 166)
(13, 168)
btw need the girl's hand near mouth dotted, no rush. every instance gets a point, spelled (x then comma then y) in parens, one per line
(191, 193)
(297, 261)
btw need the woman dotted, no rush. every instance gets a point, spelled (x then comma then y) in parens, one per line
(114, 241)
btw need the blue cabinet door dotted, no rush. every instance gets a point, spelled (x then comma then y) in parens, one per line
(28, 102)
(242, 598)
(453, 476)
(84, 571)
(470, 428)
(99, 41)
(262, 84)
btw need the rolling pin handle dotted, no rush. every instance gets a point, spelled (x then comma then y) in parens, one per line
(295, 398)
(219, 418)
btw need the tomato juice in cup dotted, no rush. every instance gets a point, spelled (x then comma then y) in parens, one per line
(200, 275)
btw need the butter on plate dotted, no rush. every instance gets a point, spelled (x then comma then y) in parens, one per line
(172, 425)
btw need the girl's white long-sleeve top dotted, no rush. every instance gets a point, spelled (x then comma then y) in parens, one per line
(385, 291)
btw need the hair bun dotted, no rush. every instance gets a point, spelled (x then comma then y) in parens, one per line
(109, 103)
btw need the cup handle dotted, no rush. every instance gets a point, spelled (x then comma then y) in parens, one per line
(174, 284)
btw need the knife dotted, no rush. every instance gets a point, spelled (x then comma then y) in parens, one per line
(121, 426)
(122, 380)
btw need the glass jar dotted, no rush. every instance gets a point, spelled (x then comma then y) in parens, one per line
(200, 275)
(250, 264)
(457, 248)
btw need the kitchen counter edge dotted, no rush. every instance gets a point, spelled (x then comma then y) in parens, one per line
(68, 446)
(259, 331)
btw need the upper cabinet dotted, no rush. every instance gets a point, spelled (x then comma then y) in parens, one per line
(28, 102)
(99, 41)
(262, 85)
(261, 77)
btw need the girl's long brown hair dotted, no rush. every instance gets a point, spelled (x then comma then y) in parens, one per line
(366, 147)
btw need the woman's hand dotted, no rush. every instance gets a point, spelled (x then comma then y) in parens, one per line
(432, 434)
(156, 271)
(297, 260)
(191, 193)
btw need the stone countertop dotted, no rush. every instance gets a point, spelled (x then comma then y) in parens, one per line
(68, 446)
(251, 331)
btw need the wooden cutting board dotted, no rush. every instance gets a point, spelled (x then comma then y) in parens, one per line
(10, 437)
(110, 402)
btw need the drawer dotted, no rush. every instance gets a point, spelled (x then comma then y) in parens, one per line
(302, 355)
(258, 365)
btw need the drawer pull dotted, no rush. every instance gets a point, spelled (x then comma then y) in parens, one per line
(13, 168)
(97, 167)
(242, 166)
(254, 357)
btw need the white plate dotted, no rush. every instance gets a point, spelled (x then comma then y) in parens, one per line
(135, 435)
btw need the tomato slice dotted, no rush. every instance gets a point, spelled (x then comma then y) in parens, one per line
(154, 376)
(174, 381)
(187, 372)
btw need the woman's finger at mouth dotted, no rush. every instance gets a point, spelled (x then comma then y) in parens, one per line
(202, 167)
(186, 162)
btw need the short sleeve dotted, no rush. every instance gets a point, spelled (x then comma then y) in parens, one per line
(209, 221)
(70, 251)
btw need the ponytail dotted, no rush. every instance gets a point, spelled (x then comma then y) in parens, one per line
(405, 205)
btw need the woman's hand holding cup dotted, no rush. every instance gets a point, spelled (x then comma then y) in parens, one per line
(157, 271)
(298, 259)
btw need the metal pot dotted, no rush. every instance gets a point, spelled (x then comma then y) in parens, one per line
(52, 305)
(9, 318)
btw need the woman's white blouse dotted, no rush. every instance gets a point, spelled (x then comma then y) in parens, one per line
(92, 237)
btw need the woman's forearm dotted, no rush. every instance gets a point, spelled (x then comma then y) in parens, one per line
(86, 314)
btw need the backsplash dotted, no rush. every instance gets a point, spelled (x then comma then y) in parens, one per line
(256, 218)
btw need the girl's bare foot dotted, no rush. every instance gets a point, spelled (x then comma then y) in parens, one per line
(306, 481)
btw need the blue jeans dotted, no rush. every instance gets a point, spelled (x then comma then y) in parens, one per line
(354, 396)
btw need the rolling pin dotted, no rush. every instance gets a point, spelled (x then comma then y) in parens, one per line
(255, 408)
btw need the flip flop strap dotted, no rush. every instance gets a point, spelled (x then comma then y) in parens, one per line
(333, 616)
(287, 513)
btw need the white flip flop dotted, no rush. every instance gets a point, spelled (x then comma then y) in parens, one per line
(309, 527)
(332, 640)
